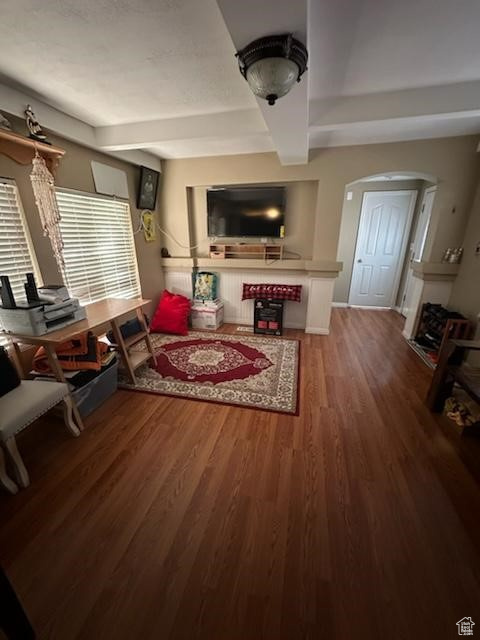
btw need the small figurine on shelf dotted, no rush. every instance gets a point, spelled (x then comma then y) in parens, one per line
(4, 123)
(36, 131)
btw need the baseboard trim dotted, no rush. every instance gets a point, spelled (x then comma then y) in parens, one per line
(340, 305)
(317, 331)
(286, 325)
(368, 308)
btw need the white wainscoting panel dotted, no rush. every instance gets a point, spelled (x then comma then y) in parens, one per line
(178, 282)
(236, 311)
(320, 306)
(230, 284)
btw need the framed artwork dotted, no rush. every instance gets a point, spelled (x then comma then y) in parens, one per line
(147, 190)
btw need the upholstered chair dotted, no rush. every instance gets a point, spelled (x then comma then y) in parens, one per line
(19, 408)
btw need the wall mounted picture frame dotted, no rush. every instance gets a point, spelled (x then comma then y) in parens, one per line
(147, 189)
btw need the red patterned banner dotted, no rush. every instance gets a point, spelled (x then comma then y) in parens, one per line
(292, 292)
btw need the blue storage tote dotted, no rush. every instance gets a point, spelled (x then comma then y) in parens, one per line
(94, 393)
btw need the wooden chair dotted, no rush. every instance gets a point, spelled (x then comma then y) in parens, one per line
(452, 369)
(18, 409)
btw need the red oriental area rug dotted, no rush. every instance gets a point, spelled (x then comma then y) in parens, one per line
(258, 372)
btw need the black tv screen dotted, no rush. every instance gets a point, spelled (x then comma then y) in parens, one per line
(246, 211)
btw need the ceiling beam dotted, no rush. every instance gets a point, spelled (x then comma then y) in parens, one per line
(229, 124)
(14, 102)
(287, 120)
(288, 124)
(460, 100)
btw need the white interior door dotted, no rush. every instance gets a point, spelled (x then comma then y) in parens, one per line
(418, 245)
(385, 220)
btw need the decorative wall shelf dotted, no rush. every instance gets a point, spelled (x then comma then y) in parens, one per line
(22, 149)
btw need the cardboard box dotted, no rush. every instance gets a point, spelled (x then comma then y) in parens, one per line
(208, 315)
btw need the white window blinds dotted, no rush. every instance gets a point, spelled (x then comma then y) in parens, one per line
(99, 250)
(16, 256)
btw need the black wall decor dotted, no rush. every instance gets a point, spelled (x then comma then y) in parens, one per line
(147, 189)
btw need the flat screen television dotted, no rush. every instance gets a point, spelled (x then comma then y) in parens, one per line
(246, 212)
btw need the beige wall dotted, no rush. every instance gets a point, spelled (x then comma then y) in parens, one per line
(299, 219)
(316, 193)
(451, 161)
(466, 289)
(75, 172)
(349, 226)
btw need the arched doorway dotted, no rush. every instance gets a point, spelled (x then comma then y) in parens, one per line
(392, 210)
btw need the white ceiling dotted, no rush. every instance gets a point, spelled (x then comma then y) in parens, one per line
(161, 76)
(403, 45)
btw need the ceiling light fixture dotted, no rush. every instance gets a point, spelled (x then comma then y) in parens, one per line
(271, 65)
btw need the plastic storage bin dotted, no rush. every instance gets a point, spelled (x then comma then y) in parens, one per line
(94, 393)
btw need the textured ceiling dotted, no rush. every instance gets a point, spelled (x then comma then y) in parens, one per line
(114, 61)
(161, 76)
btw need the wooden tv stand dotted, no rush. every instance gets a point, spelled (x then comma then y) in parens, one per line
(259, 251)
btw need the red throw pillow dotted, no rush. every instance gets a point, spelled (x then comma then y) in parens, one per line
(171, 315)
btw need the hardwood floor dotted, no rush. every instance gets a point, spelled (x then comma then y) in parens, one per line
(176, 519)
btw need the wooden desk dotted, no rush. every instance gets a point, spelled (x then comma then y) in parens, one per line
(99, 315)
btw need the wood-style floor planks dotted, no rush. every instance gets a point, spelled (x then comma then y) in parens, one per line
(175, 519)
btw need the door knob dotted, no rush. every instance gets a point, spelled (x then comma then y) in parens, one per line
(359, 260)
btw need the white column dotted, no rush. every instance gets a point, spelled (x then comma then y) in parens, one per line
(320, 296)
